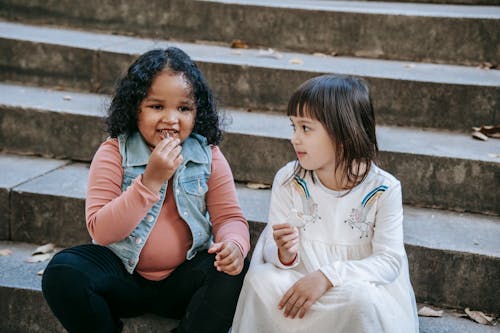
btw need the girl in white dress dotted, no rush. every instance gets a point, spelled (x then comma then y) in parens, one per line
(331, 258)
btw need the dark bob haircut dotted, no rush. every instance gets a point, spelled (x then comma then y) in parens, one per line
(134, 87)
(343, 105)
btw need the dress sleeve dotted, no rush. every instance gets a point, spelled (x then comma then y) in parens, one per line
(110, 214)
(228, 221)
(384, 264)
(281, 205)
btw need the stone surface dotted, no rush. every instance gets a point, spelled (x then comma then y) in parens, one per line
(23, 305)
(51, 208)
(15, 170)
(424, 95)
(356, 28)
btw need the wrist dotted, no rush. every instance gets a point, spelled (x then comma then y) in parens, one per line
(153, 185)
(287, 261)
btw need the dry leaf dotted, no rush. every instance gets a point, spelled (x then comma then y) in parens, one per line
(40, 273)
(296, 61)
(486, 65)
(479, 317)
(67, 98)
(428, 312)
(479, 136)
(489, 130)
(44, 249)
(270, 53)
(39, 257)
(5, 252)
(258, 186)
(319, 54)
(238, 44)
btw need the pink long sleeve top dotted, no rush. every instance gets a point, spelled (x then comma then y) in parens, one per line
(112, 215)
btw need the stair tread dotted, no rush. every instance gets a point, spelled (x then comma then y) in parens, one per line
(379, 7)
(16, 273)
(375, 68)
(275, 125)
(438, 229)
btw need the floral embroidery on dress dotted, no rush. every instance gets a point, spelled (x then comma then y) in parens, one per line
(357, 219)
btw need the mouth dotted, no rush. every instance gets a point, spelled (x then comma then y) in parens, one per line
(300, 154)
(168, 133)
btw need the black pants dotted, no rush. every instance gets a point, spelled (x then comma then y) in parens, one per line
(89, 290)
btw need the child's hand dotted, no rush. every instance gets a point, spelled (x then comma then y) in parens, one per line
(229, 258)
(164, 160)
(299, 298)
(286, 237)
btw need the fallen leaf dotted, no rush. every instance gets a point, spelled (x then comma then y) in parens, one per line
(5, 252)
(479, 136)
(492, 131)
(39, 257)
(67, 98)
(296, 61)
(238, 44)
(270, 53)
(319, 54)
(428, 312)
(258, 186)
(40, 273)
(486, 65)
(44, 249)
(479, 317)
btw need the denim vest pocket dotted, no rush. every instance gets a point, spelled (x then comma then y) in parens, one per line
(195, 188)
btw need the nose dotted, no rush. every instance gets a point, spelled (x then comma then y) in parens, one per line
(295, 138)
(170, 116)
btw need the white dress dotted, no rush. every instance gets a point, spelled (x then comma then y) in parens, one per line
(356, 240)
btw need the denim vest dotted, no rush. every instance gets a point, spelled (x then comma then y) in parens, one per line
(189, 188)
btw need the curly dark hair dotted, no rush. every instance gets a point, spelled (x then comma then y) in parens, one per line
(134, 87)
(343, 105)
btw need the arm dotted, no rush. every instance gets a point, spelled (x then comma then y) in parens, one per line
(383, 266)
(110, 214)
(230, 228)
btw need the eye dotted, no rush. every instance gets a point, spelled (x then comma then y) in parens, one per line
(156, 107)
(185, 108)
(305, 128)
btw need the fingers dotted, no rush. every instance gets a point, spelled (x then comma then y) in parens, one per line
(169, 147)
(293, 304)
(285, 235)
(229, 258)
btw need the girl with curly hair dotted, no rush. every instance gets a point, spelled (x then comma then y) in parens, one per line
(168, 234)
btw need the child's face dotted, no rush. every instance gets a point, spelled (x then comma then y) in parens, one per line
(314, 147)
(168, 108)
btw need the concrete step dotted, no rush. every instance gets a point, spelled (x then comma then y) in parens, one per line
(403, 31)
(434, 166)
(454, 258)
(404, 94)
(24, 309)
(452, 2)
